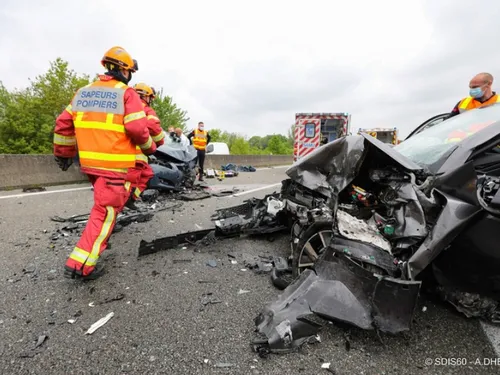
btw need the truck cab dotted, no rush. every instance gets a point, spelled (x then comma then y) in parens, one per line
(385, 135)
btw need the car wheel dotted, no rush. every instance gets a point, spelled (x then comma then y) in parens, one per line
(312, 243)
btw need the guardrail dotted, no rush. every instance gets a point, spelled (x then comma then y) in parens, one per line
(19, 171)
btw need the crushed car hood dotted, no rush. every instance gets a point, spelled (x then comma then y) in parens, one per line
(331, 167)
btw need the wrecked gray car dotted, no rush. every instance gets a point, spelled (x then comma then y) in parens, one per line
(372, 225)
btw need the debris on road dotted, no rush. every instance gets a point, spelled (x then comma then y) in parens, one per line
(212, 263)
(94, 327)
(118, 297)
(33, 189)
(41, 340)
(74, 224)
(208, 299)
(238, 168)
(249, 218)
(36, 349)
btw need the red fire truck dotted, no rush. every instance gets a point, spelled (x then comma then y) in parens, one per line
(311, 128)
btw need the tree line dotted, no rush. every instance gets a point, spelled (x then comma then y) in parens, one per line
(27, 116)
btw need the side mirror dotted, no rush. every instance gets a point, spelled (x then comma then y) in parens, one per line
(210, 148)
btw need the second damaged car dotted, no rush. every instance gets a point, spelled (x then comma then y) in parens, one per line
(373, 225)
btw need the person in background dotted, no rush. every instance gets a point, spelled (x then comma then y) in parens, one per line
(142, 169)
(107, 121)
(200, 139)
(480, 94)
(184, 141)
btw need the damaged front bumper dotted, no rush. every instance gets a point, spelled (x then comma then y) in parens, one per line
(340, 289)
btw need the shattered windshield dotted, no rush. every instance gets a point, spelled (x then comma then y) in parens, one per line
(427, 147)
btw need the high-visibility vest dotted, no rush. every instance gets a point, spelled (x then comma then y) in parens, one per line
(200, 139)
(98, 115)
(469, 103)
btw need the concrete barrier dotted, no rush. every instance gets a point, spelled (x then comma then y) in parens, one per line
(19, 171)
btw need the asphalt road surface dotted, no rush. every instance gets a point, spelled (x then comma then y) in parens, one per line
(160, 325)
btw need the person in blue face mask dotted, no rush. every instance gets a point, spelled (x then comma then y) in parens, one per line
(480, 94)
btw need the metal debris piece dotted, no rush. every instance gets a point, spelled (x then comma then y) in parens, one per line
(30, 268)
(195, 195)
(145, 213)
(41, 340)
(171, 242)
(249, 218)
(99, 323)
(118, 297)
(208, 299)
(471, 304)
(336, 290)
(150, 195)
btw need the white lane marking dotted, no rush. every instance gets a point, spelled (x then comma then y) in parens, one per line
(253, 190)
(492, 333)
(25, 195)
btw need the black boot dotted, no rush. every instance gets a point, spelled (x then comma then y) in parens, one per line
(131, 204)
(98, 271)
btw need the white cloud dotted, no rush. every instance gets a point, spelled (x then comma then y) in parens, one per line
(249, 66)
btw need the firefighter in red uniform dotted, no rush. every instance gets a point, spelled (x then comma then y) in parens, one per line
(107, 121)
(143, 172)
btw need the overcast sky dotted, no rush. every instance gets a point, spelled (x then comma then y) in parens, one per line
(250, 66)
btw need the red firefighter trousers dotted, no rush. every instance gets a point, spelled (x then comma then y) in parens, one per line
(110, 196)
(141, 174)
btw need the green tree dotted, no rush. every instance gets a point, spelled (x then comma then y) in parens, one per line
(168, 112)
(215, 135)
(256, 142)
(278, 145)
(28, 116)
(239, 146)
(291, 135)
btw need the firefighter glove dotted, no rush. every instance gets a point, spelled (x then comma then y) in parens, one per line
(64, 163)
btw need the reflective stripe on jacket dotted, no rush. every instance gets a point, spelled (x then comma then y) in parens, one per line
(98, 116)
(200, 139)
(155, 131)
